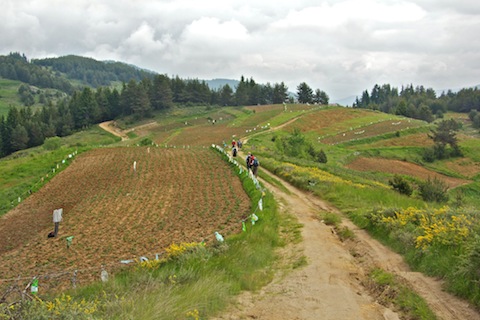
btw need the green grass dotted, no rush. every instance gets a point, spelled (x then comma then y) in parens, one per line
(8, 95)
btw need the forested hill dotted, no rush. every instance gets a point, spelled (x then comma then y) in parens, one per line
(16, 67)
(72, 72)
(92, 72)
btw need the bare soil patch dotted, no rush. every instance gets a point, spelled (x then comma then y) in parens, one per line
(466, 167)
(404, 168)
(328, 120)
(410, 140)
(371, 130)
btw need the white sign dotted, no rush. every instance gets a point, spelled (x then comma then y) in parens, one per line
(57, 215)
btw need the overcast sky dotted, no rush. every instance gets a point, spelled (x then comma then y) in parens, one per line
(342, 47)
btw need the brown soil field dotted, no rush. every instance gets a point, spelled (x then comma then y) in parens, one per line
(404, 168)
(206, 135)
(327, 120)
(115, 212)
(202, 132)
(371, 131)
(411, 140)
(466, 167)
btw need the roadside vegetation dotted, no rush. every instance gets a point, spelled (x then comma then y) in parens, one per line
(433, 225)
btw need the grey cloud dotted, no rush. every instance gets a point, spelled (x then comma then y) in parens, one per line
(340, 46)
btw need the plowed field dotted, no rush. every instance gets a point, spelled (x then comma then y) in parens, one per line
(402, 167)
(115, 212)
(371, 130)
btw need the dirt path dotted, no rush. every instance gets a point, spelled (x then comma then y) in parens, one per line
(113, 129)
(331, 286)
(328, 287)
(109, 127)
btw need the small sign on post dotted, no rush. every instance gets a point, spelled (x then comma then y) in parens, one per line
(57, 217)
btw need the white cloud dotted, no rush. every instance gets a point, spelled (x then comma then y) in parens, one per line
(340, 46)
(333, 15)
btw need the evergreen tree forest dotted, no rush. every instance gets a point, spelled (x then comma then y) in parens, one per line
(418, 102)
(82, 107)
(16, 67)
(92, 72)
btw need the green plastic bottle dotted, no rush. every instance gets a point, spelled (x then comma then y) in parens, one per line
(34, 287)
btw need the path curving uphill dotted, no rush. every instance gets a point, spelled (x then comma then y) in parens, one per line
(331, 286)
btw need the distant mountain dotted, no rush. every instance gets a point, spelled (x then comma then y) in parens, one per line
(216, 84)
(348, 101)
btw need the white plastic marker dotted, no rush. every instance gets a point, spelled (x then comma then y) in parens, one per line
(219, 237)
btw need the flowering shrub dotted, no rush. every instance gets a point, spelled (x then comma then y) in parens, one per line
(175, 250)
(442, 226)
(193, 314)
(65, 304)
(315, 173)
(150, 264)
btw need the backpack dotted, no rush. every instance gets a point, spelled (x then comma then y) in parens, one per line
(255, 162)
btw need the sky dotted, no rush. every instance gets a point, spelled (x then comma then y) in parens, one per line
(342, 47)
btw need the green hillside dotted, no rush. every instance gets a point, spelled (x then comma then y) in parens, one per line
(348, 157)
(8, 95)
(413, 187)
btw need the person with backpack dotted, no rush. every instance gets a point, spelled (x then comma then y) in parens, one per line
(247, 161)
(254, 165)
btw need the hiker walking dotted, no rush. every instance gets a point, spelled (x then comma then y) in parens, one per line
(247, 161)
(254, 165)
